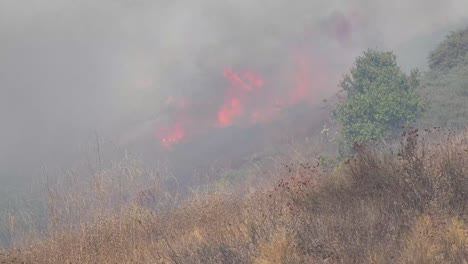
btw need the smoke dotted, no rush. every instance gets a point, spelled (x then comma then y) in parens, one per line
(172, 71)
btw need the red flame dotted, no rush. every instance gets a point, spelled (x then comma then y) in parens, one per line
(173, 135)
(246, 97)
(247, 101)
(254, 80)
(229, 112)
(237, 95)
(170, 135)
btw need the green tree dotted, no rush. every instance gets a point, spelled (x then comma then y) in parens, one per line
(380, 99)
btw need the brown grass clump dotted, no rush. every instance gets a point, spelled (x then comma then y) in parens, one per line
(437, 241)
(406, 205)
(280, 249)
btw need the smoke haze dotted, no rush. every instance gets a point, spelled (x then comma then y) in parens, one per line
(171, 71)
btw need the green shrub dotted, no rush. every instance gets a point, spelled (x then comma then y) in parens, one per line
(445, 86)
(450, 53)
(380, 99)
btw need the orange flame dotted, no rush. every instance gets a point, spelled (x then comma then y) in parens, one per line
(234, 103)
(255, 81)
(247, 102)
(171, 136)
(229, 112)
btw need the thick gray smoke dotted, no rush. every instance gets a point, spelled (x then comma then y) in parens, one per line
(72, 69)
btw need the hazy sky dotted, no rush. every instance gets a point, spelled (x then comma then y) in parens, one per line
(70, 68)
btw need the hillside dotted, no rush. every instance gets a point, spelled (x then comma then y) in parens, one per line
(445, 85)
(402, 206)
(251, 194)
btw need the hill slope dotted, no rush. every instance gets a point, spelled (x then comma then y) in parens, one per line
(445, 86)
(407, 206)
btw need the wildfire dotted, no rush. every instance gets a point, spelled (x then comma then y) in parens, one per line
(173, 135)
(229, 112)
(249, 82)
(240, 90)
(247, 100)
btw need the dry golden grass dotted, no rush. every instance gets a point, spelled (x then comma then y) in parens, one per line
(280, 249)
(406, 206)
(437, 241)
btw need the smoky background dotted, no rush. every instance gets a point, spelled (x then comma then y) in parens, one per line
(78, 74)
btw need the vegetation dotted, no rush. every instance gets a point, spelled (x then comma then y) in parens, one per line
(381, 99)
(445, 86)
(407, 206)
(403, 203)
(450, 53)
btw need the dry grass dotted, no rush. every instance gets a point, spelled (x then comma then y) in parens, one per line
(432, 240)
(405, 206)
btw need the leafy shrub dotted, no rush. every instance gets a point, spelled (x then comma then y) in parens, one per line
(445, 86)
(450, 53)
(381, 99)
